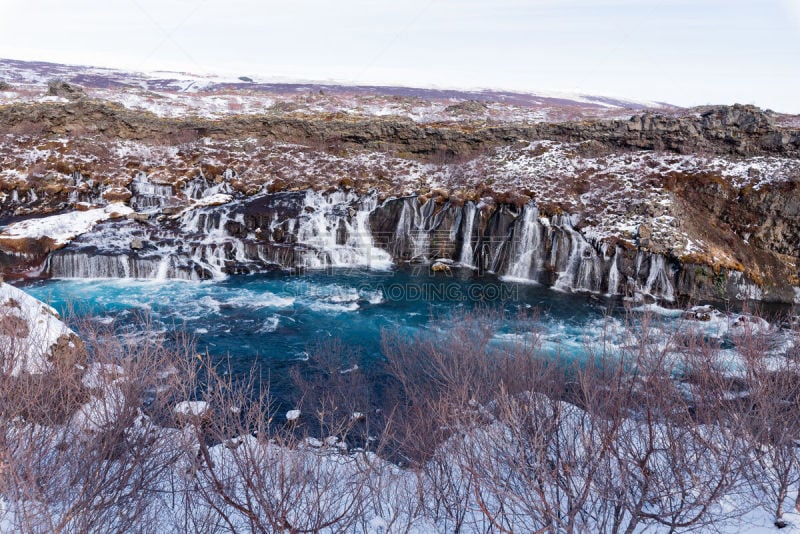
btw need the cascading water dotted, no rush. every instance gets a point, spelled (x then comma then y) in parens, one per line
(200, 187)
(85, 264)
(659, 281)
(317, 230)
(413, 229)
(336, 228)
(613, 274)
(468, 224)
(75, 195)
(582, 268)
(525, 250)
(147, 195)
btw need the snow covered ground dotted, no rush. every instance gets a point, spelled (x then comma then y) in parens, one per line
(60, 229)
(314, 482)
(29, 330)
(174, 94)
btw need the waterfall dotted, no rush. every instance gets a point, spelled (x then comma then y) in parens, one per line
(613, 274)
(200, 187)
(318, 230)
(209, 223)
(212, 258)
(88, 264)
(147, 195)
(336, 227)
(467, 223)
(402, 232)
(582, 269)
(74, 195)
(413, 230)
(745, 290)
(163, 269)
(361, 237)
(658, 283)
(524, 254)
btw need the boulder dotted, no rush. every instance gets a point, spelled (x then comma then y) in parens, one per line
(440, 267)
(117, 194)
(65, 90)
(138, 217)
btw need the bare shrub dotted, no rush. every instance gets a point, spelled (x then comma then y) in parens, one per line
(609, 442)
(97, 464)
(668, 468)
(772, 421)
(335, 392)
(258, 476)
(648, 429)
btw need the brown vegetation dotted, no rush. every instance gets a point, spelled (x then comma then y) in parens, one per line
(492, 437)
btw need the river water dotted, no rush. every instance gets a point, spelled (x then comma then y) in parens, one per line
(273, 321)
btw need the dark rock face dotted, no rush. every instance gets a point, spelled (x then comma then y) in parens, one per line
(470, 106)
(507, 241)
(758, 230)
(65, 90)
(311, 230)
(741, 130)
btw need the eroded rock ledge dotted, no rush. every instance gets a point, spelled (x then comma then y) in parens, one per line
(739, 130)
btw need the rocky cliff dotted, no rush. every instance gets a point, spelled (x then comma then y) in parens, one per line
(700, 204)
(737, 130)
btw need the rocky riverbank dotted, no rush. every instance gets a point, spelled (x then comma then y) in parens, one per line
(699, 203)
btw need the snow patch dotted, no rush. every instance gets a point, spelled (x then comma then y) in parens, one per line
(192, 408)
(28, 333)
(65, 227)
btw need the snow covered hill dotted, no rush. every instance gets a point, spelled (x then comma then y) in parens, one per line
(172, 94)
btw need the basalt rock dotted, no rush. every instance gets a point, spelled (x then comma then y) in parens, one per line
(65, 90)
(740, 130)
(302, 230)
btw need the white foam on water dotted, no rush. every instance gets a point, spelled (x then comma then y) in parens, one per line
(256, 300)
(322, 306)
(270, 325)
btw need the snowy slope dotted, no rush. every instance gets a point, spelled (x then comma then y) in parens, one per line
(29, 329)
(60, 229)
(172, 94)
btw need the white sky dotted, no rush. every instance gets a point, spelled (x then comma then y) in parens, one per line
(683, 52)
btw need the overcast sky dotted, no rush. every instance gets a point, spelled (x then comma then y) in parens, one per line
(682, 52)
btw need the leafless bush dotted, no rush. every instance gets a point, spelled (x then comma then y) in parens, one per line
(335, 392)
(771, 421)
(625, 452)
(257, 474)
(95, 463)
(653, 431)
(441, 376)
